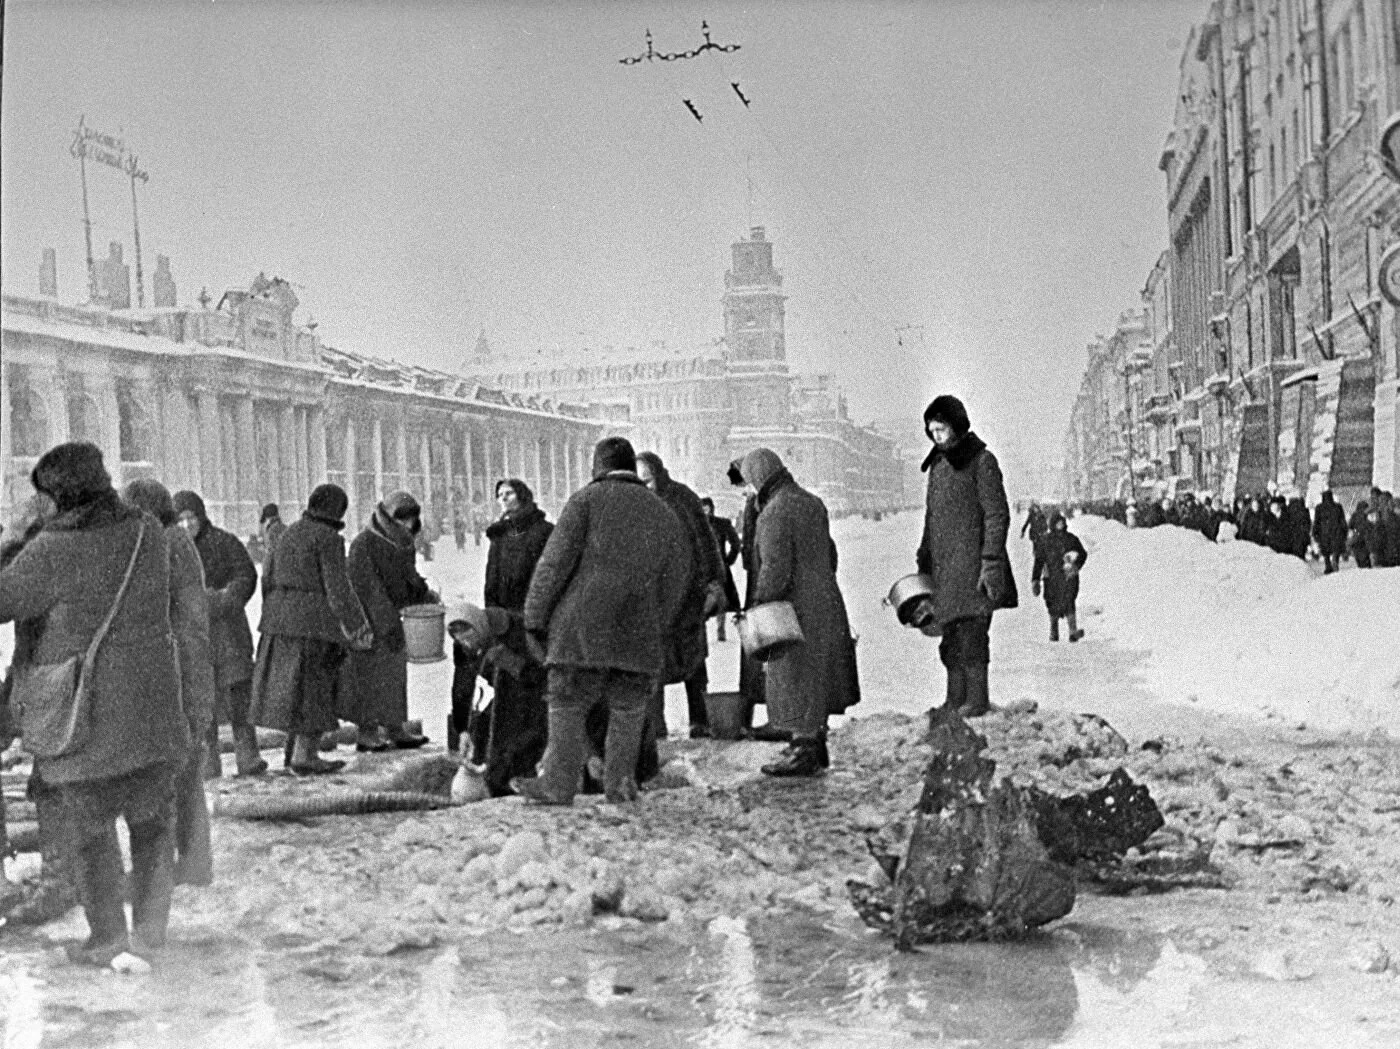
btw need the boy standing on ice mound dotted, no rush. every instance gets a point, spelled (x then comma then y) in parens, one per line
(1058, 558)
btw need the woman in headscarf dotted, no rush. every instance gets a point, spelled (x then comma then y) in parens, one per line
(1059, 555)
(310, 618)
(512, 732)
(189, 618)
(99, 560)
(795, 561)
(373, 685)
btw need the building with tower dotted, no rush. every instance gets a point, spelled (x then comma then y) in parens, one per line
(701, 408)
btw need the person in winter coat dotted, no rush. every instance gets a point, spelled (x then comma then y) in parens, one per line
(55, 891)
(1278, 535)
(963, 547)
(1359, 539)
(309, 618)
(271, 527)
(1058, 558)
(372, 689)
(189, 619)
(727, 542)
(68, 578)
(794, 561)
(229, 581)
(1386, 531)
(1329, 531)
(688, 643)
(513, 729)
(1034, 526)
(1299, 524)
(1210, 519)
(751, 682)
(1254, 523)
(604, 597)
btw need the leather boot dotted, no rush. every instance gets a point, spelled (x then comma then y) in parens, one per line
(978, 702)
(1054, 629)
(152, 882)
(803, 758)
(957, 688)
(245, 751)
(98, 866)
(1074, 632)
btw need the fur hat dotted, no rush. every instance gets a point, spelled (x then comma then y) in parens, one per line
(760, 466)
(268, 513)
(736, 473)
(187, 500)
(150, 495)
(948, 409)
(613, 453)
(328, 501)
(400, 506)
(71, 474)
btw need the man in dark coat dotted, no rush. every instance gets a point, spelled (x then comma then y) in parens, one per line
(794, 559)
(727, 541)
(1278, 535)
(751, 670)
(963, 547)
(1299, 525)
(310, 616)
(1058, 558)
(688, 645)
(1330, 531)
(68, 577)
(604, 597)
(229, 580)
(372, 688)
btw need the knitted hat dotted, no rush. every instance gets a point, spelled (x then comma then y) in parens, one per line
(948, 409)
(71, 474)
(328, 501)
(613, 453)
(654, 465)
(268, 513)
(150, 495)
(760, 466)
(400, 505)
(187, 500)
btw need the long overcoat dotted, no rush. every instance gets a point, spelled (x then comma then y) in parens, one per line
(1330, 526)
(189, 621)
(688, 643)
(794, 561)
(1059, 589)
(516, 545)
(966, 518)
(611, 579)
(230, 578)
(372, 688)
(68, 576)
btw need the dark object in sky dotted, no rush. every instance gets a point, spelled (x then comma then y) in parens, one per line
(652, 55)
(693, 111)
(649, 55)
(735, 85)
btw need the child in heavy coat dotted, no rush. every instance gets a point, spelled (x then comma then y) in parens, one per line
(1059, 555)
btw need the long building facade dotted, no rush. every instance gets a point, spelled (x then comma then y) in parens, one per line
(703, 408)
(245, 405)
(1273, 353)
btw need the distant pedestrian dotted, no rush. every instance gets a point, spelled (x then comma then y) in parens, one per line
(603, 598)
(1360, 534)
(1299, 525)
(1058, 558)
(1329, 531)
(727, 540)
(310, 617)
(1278, 535)
(271, 526)
(459, 531)
(1034, 526)
(963, 547)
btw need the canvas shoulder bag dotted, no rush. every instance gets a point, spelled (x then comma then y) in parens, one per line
(55, 711)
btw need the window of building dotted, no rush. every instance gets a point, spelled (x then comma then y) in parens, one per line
(29, 421)
(136, 434)
(84, 418)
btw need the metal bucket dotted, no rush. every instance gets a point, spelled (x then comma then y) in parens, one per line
(727, 713)
(424, 632)
(905, 594)
(765, 630)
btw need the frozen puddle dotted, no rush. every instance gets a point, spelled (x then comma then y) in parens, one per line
(729, 985)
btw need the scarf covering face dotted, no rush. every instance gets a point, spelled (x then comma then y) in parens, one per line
(760, 466)
(387, 521)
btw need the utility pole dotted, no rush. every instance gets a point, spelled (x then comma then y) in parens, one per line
(1128, 433)
(133, 170)
(79, 150)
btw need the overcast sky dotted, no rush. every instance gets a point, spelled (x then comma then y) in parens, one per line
(423, 171)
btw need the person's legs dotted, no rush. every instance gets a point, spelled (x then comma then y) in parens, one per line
(949, 649)
(975, 654)
(1054, 627)
(1072, 621)
(194, 865)
(245, 737)
(696, 686)
(98, 864)
(152, 879)
(626, 696)
(656, 712)
(572, 691)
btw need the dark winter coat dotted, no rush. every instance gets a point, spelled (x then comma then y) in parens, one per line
(229, 579)
(611, 580)
(966, 518)
(1059, 589)
(1254, 526)
(1330, 526)
(306, 586)
(516, 545)
(688, 644)
(271, 532)
(189, 621)
(1385, 551)
(1278, 535)
(727, 542)
(68, 576)
(1359, 540)
(1299, 523)
(793, 562)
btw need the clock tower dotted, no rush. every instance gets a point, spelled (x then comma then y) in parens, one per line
(753, 333)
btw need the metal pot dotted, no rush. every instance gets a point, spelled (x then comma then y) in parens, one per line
(765, 630)
(906, 593)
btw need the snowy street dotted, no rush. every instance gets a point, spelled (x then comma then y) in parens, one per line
(734, 922)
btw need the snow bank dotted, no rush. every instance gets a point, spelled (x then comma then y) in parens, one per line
(1241, 629)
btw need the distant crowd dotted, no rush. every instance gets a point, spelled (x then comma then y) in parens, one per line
(1370, 535)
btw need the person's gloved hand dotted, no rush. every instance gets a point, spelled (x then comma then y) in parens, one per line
(992, 580)
(931, 628)
(362, 640)
(1035, 587)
